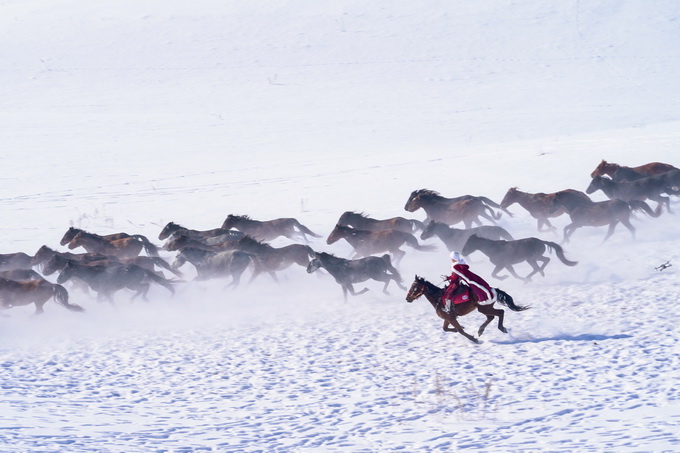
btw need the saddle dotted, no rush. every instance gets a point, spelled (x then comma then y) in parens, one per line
(460, 295)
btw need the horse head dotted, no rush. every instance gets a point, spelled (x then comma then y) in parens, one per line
(470, 245)
(314, 264)
(509, 198)
(339, 232)
(596, 184)
(417, 289)
(167, 230)
(601, 169)
(69, 235)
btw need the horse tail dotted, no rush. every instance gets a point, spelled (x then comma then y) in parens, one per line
(638, 205)
(160, 262)
(150, 248)
(61, 297)
(506, 299)
(160, 280)
(560, 253)
(388, 264)
(306, 230)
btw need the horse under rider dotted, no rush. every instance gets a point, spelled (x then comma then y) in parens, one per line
(461, 281)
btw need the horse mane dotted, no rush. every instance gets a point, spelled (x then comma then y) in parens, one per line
(331, 257)
(252, 241)
(240, 217)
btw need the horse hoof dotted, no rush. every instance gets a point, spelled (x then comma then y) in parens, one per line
(504, 330)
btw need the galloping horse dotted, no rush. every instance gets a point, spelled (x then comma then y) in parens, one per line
(601, 213)
(367, 243)
(503, 254)
(363, 222)
(542, 206)
(620, 172)
(346, 272)
(209, 265)
(467, 209)
(71, 233)
(434, 294)
(124, 248)
(267, 230)
(647, 188)
(106, 279)
(273, 259)
(35, 291)
(455, 238)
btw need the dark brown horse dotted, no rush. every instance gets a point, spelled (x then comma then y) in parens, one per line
(622, 173)
(150, 248)
(647, 188)
(601, 213)
(504, 254)
(434, 294)
(34, 291)
(467, 209)
(542, 206)
(18, 260)
(174, 229)
(367, 243)
(124, 248)
(107, 279)
(347, 272)
(268, 230)
(364, 222)
(274, 259)
(455, 238)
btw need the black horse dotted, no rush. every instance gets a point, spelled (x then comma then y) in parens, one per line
(433, 293)
(503, 254)
(346, 272)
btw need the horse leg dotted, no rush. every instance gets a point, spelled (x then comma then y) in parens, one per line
(513, 273)
(495, 272)
(491, 313)
(451, 319)
(39, 307)
(612, 226)
(446, 327)
(398, 256)
(568, 231)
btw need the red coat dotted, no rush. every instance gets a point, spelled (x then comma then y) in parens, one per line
(461, 273)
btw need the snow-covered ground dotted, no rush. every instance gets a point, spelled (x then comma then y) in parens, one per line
(127, 115)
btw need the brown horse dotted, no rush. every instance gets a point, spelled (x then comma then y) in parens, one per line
(150, 248)
(124, 248)
(363, 222)
(503, 254)
(174, 229)
(36, 291)
(347, 272)
(620, 172)
(268, 230)
(434, 294)
(602, 213)
(367, 243)
(274, 259)
(18, 260)
(455, 238)
(467, 209)
(541, 206)
(647, 188)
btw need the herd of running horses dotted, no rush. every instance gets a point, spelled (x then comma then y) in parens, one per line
(114, 262)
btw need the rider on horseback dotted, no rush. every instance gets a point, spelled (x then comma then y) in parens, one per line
(462, 282)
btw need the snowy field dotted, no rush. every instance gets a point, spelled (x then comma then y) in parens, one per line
(127, 115)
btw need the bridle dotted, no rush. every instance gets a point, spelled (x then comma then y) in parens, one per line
(417, 290)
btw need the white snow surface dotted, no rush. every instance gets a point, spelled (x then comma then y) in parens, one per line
(125, 115)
